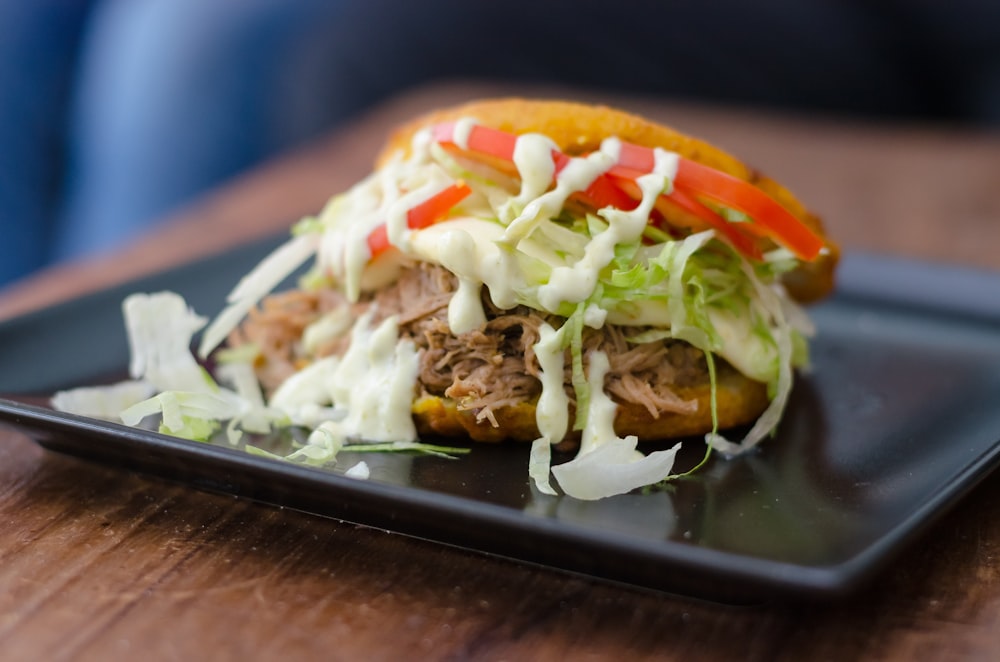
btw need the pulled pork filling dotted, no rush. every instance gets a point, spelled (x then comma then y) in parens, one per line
(483, 370)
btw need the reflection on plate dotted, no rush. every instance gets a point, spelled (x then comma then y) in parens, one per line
(896, 421)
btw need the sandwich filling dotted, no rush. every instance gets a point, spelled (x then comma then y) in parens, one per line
(493, 272)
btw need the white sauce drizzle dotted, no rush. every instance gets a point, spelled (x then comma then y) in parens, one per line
(533, 159)
(305, 396)
(601, 412)
(480, 260)
(578, 174)
(374, 383)
(356, 257)
(594, 316)
(331, 325)
(577, 282)
(361, 471)
(458, 255)
(552, 410)
(462, 131)
(665, 163)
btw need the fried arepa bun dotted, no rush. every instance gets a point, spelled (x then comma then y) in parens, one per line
(739, 401)
(578, 129)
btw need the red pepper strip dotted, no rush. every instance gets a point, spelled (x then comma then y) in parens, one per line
(494, 148)
(626, 175)
(780, 224)
(496, 144)
(426, 213)
(437, 206)
(669, 204)
(733, 233)
(481, 139)
(378, 241)
(636, 157)
(634, 160)
(604, 193)
(773, 219)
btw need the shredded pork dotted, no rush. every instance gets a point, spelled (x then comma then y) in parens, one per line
(483, 370)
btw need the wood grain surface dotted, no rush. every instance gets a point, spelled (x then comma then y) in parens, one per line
(98, 563)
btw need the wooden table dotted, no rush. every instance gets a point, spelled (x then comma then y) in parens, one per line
(97, 563)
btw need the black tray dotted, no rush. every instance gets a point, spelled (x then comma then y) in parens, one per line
(899, 418)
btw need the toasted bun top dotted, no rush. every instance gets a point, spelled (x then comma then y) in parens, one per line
(579, 128)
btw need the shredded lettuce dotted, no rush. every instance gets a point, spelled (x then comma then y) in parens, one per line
(256, 416)
(160, 327)
(276, 267)
(614, 468)
(607, 464)
(191, 415)
(771, 304)
(104, 402)
(305, 396)
(325, 445)
(540, 465)
(190, 403)
(708, 296)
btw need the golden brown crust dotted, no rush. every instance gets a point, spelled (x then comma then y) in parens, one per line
(580, 128)
(739, 401)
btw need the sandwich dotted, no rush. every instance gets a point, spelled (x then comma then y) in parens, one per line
(567, 275)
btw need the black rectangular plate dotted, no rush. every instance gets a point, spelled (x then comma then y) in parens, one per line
(899, 418)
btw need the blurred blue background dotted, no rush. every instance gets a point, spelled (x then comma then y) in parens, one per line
(114, 113)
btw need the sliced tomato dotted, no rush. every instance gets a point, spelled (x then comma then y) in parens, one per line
(635, 158)
(768, 216)
(732, 232)
(437, 206)
(378, 241)
(692, 180)
(602, 192)
(683, 210)
(481, 139)
(781, 225)
(422, 215)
